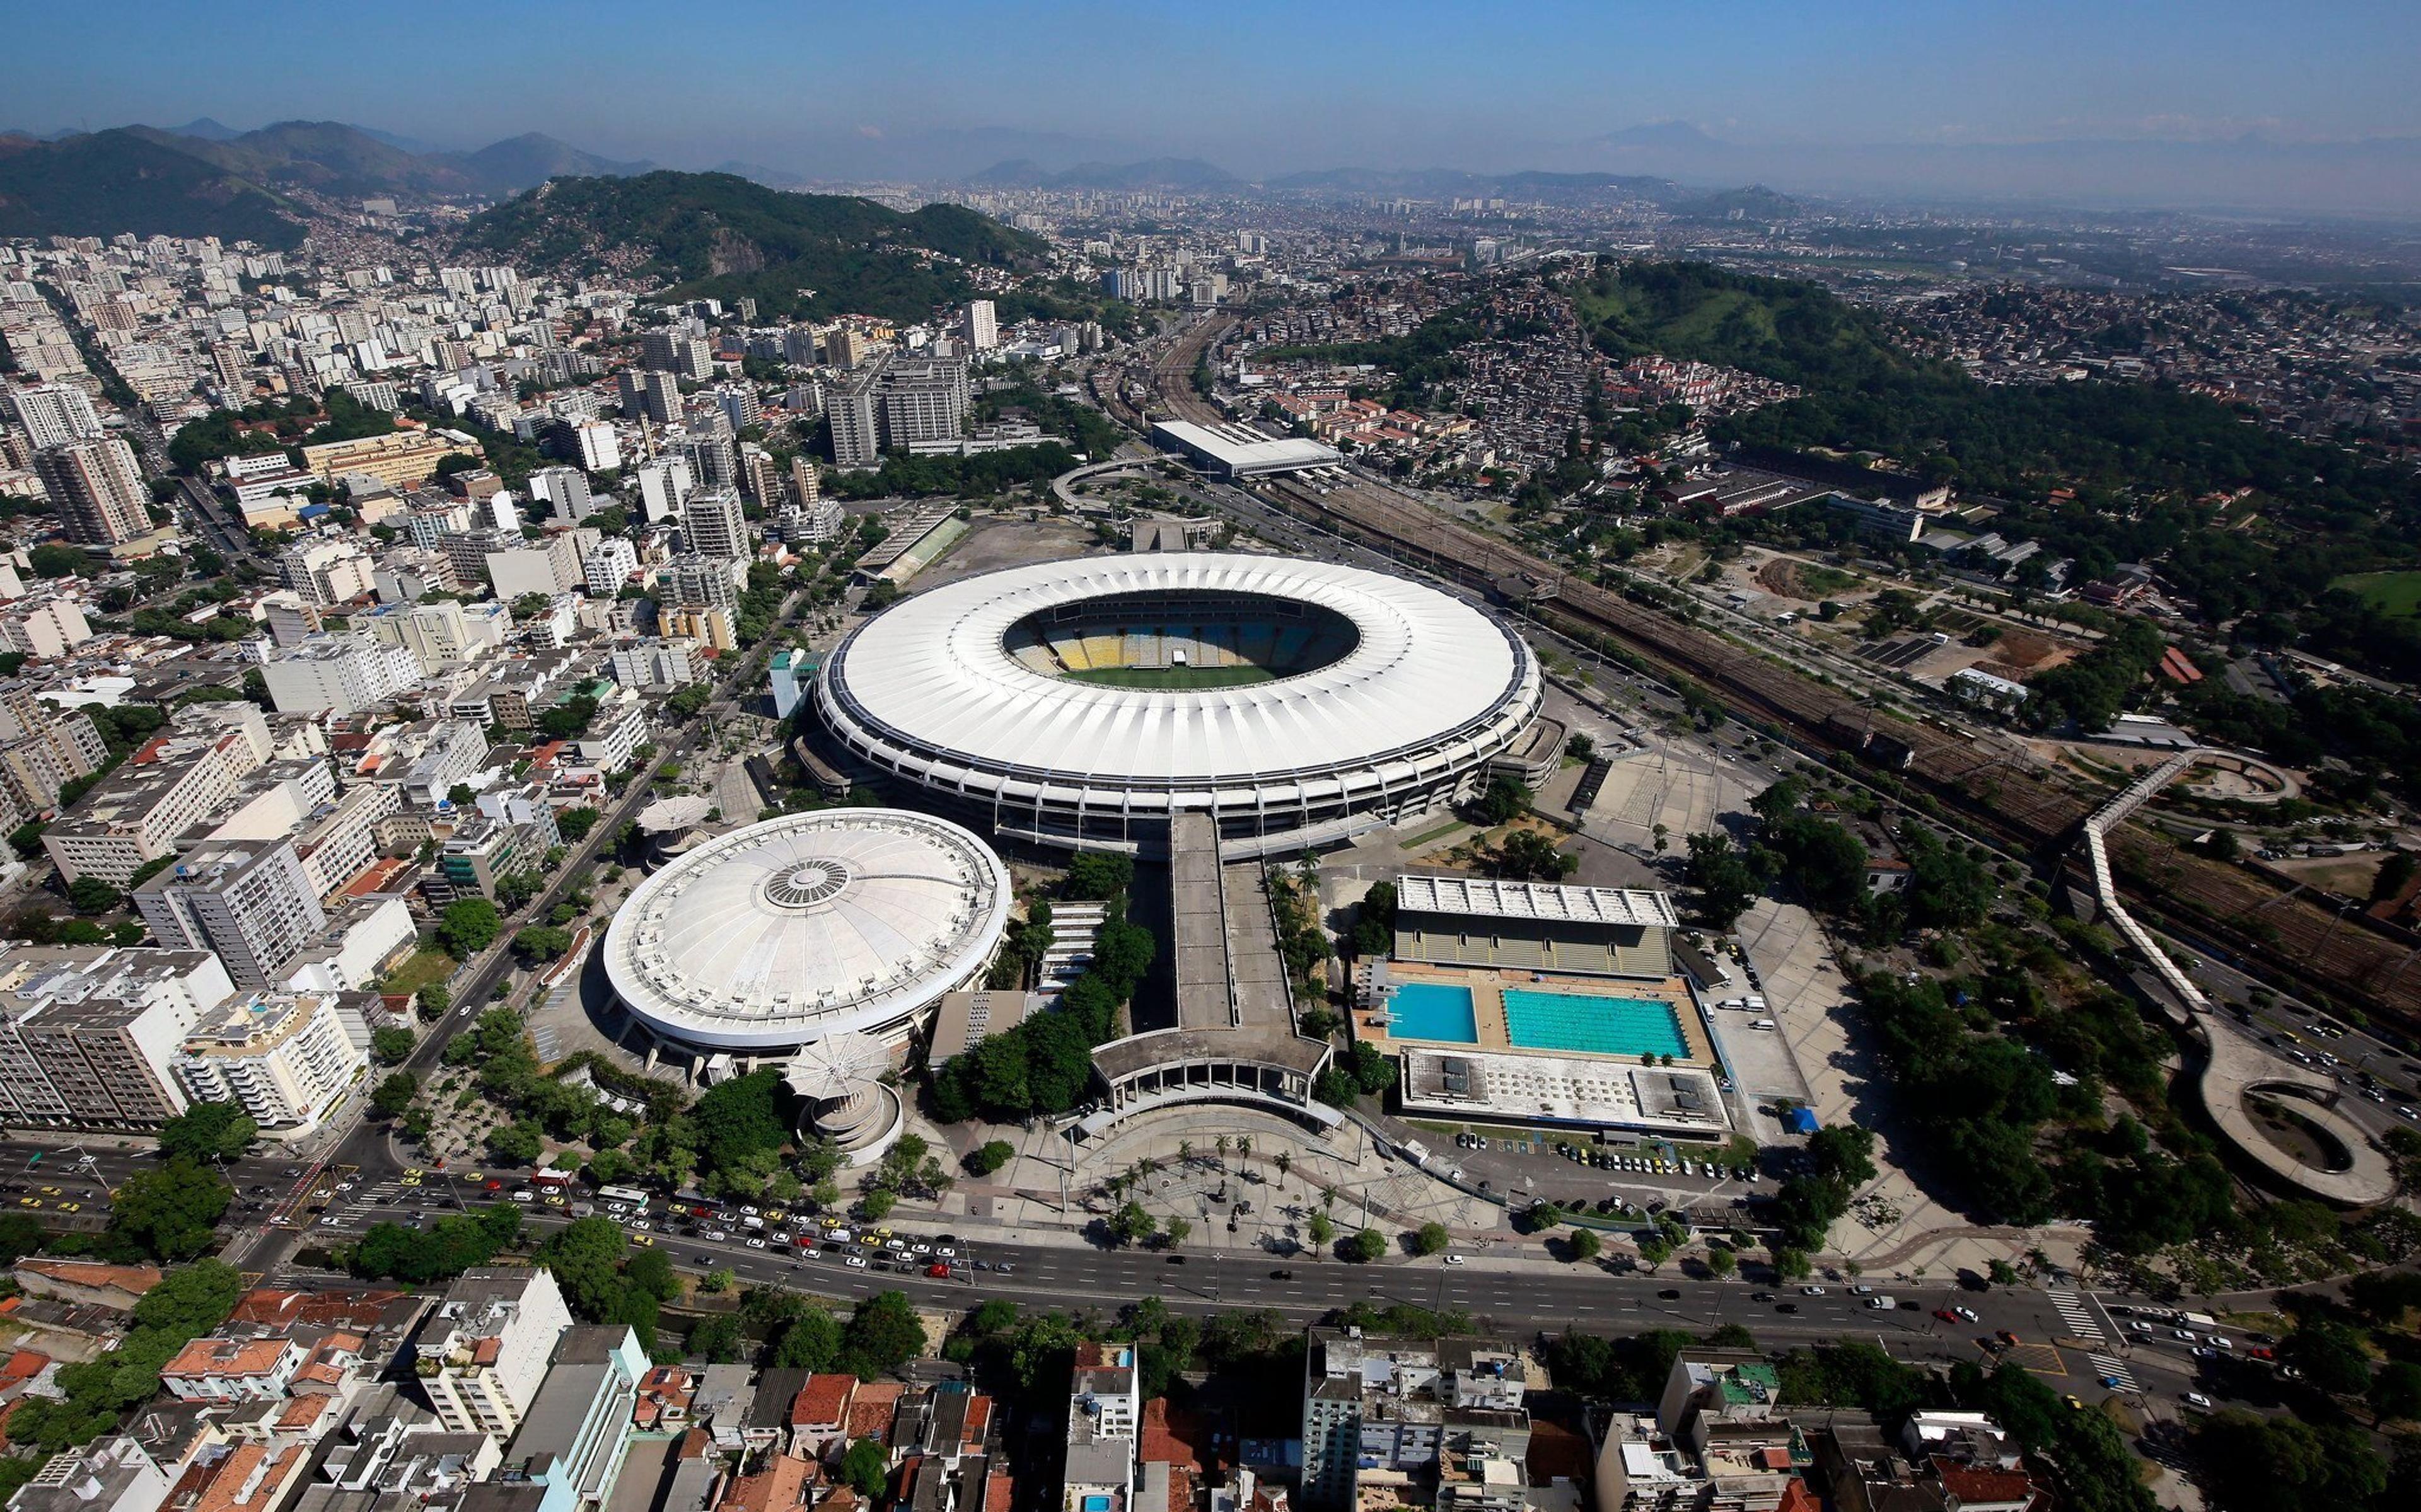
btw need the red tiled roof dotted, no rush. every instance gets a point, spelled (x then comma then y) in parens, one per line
(1970, 1483)
(823, 1399)
(870, 1410)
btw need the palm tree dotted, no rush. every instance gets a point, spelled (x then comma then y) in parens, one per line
(1285, 1163)
(1243, 1146)
(1221, 1146)
(1185, 1151)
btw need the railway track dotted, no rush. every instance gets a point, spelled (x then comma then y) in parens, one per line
(1992, 785)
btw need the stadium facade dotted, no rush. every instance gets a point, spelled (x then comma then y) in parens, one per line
(1090, 702)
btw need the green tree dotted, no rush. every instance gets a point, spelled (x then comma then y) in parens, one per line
(90, 894)
(170, 1212)
(989, 1156)
(1364, 1247)
(1505, 798)
(1585, 1245)
(1320, 1229)
(715, 1339)
(882, 1334)
(2331, 1356)
(390, 1043)
(1131, 1224)
(865, 1466)
(2396, 1391)
(1722, 1261)
(1429, 1238)
(541, 942)
(395, 1094)
(208, 1132)
(520, 1143)
(810, 1341)
(468, 926)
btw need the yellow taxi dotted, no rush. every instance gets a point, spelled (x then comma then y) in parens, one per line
(71, 1207)
(409, 1181)
(51, 1191)
(555, 1199)
(29, 1202)
(645, 1241)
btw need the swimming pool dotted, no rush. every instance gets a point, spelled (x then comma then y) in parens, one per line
(1600, 1025)
(1432, 1010)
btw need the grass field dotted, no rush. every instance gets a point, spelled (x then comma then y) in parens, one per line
(1174, 679)
(422, 967)
(2390, 593)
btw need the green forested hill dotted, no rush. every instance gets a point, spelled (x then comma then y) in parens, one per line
(118, 180)
(718, 235)
(2143, 458)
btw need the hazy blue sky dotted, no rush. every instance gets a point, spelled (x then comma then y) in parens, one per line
(1258, 87)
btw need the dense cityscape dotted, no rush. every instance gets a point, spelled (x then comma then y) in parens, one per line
(1083, 835)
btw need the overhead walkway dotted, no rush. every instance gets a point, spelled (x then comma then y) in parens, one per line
(2234, 1066)
(1234, 1038)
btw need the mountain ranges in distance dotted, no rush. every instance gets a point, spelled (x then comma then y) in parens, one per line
(204, 178)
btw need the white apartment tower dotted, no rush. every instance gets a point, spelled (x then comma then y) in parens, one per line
(249, 901)
(483, 1355)
(54, 414)
(982, 326)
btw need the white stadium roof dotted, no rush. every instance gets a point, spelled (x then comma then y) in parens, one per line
(929, 683)
(809, 925)
(1488, 898)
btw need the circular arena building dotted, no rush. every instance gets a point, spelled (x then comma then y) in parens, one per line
(846, 920)
(1086, 702)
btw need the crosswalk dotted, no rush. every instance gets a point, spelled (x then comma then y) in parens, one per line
(2077, 1314)
(2107, 1369)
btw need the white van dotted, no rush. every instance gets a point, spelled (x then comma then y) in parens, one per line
(1754, 1003)
(1761, 1023)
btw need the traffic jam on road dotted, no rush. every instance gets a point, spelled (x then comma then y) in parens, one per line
(799, 1232)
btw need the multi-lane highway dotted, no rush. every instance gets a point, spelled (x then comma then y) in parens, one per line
(2067, 1335)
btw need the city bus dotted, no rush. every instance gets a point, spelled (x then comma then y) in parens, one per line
(631, 1196)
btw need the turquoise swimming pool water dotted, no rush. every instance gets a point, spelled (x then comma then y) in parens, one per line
(1600, 1025)
(1432, 1010)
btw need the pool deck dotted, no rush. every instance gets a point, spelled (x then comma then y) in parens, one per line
(1488, 987)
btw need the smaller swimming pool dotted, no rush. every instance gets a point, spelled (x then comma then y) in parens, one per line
(1600, 1025)
(1432, 1010)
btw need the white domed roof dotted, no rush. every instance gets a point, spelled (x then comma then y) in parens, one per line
(809, 925)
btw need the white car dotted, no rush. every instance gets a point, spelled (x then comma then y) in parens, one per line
(524, 1196)
(944, 1252)
(1454, 1260)
(755, 1243)
(1862, 1290)
(1811, 1291)
(856, 1262)
(2197, 1399)
(1966, 1315)
(2222, 1342)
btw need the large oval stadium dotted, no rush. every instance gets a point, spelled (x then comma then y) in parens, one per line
(810, 924)
(1087, 702)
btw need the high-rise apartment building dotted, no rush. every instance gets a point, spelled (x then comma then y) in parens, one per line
(55, 415)
(87, 1032)
(1405, 1407)
(249, 901)
(288, 1058)
(981, 325)
(607, 565)
(43, 747)
(855, 411)
(98, 491)
(564, 489)
(484, 1352)
(761, 482)
(806, 484)
(714, 525)
(923, 401)
(684, 356)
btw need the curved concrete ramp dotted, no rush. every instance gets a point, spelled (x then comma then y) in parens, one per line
(2234, 1067)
